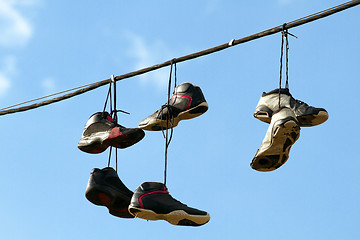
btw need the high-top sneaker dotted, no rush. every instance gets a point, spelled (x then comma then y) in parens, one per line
(152, 201)
(282, 133)
(106, 189)
(101, 131)
(306, 115)
(186, 102)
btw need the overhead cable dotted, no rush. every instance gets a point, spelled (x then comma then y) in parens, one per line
(221, 47)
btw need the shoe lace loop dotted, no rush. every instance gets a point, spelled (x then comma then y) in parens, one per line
(113, 113)
(169, 117)
(284, 38)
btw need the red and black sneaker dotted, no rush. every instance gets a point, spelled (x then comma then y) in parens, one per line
(186, 102)
(152, 201)
(106, 189)
(101, 131)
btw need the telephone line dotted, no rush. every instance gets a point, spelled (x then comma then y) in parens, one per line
(221, 47)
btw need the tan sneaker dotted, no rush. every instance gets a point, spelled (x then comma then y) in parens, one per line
(307, 116)
(282, 133)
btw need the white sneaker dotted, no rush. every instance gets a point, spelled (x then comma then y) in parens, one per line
(282, 133)
(306, 115)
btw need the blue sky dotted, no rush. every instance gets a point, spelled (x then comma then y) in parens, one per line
(49, 46)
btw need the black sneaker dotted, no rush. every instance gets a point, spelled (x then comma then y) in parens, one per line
(101, 131)
(152, 201)
(307, 116)
(106, 189)
(186, 102)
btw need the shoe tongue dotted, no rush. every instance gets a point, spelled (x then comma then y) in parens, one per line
(153, 186)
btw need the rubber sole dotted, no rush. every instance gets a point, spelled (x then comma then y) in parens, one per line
(178, 217)
(304, 120)
(99, 142)
(277, 153)
(313, 120)
(93, 143)
(159, 124)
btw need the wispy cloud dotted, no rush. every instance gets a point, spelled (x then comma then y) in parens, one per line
(7, 69)
(15, 31)
(147, 54)
(15, 28)
(5, 84)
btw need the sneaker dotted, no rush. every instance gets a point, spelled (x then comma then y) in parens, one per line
(307, 116)
(282, 133)
(186, 102)
(106, 189)
(101, 131)
(152, 201)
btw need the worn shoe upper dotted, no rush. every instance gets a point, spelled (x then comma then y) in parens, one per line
(106, 189)
(186, 102)
(152, 201)
(282, 133)
(101, 131)
(306, 115)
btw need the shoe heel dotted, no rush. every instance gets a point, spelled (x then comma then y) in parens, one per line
(104, 199)
(94, 147)
(98, 198)
(263, 113)
(99, 195)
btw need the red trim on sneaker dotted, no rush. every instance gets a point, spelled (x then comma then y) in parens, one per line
(187, 97)
(159, 191)
(97, 149)
(116, 132)
(119, 210)
(105, 199)
(109, 118)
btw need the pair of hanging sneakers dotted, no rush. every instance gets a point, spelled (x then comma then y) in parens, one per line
(101, 131)
(151, 200)
(285, 115)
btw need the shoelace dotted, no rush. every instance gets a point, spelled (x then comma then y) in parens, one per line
(169, 119)
(169, 112)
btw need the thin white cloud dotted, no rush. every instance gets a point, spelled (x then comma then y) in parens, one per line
(14, 27)
(15, 30)
(147, 54)
(5, 84)
(7, 69)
